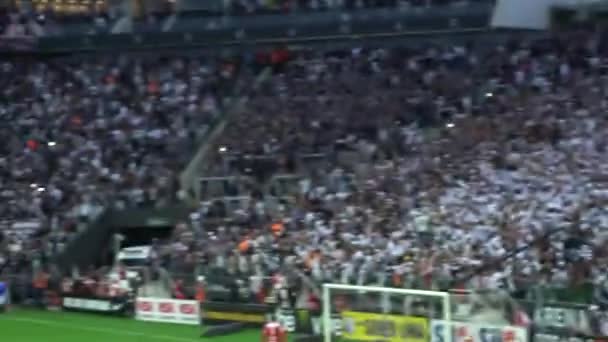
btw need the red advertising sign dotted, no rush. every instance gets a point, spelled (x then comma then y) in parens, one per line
(166, 307)
(508, 336)
(462, 331)
(187, 309)
(168, 310)
(144, 306)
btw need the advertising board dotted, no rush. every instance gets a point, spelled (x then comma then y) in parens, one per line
(476, 332)
(363, 326)
(167, 311)
(91, 304)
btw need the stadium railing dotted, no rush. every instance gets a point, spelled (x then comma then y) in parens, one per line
(270, 30)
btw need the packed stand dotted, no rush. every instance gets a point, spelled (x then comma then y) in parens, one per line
(467, 166)
(52, 23)
(46, 21)
(16, 25)
(92, 133)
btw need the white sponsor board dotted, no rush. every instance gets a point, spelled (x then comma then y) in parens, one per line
(476, 332)
(85, 304)
(167, 310)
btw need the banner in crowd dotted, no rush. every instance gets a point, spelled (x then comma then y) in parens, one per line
(476, 332)
(363, 326)
(559, 321)
(563, 316)
(93, 304)
(167, 311)
(235, 312)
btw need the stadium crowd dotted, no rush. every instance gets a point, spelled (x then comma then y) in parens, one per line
(83, 134)
(25, 21)
(467, 166)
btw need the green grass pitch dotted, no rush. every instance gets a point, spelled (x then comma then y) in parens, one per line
(19, 325)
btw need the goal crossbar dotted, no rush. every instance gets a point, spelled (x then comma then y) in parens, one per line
(385, 289)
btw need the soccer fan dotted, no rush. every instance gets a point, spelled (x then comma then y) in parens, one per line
(283, 296)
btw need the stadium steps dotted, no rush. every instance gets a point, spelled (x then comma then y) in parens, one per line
(93, 244)
(189, 178)
(155, 289)
(82, 250)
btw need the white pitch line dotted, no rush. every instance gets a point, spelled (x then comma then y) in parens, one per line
(98, 330)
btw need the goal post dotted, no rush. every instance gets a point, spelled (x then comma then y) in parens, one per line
(328, 304)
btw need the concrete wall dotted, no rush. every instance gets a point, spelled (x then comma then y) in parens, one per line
(529, 14)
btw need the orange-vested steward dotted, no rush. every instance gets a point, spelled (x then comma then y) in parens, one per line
(200, 294)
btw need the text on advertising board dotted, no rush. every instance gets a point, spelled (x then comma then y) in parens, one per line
(476, 332)
(187, 309)
(144, 306)
(87, 304)
(165, 307)
(562, 317)
(168, 310)
(391, 328)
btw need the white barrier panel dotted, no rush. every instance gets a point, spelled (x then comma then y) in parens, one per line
(477, 332)
(522, 14)
(527, 14)
(167, 310)
(97, 305)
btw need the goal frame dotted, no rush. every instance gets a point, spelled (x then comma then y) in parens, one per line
(326, 314)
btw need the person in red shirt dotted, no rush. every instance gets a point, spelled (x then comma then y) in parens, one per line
(178, 290)
(274, 332)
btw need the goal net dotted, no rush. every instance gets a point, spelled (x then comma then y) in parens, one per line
(379, 314)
